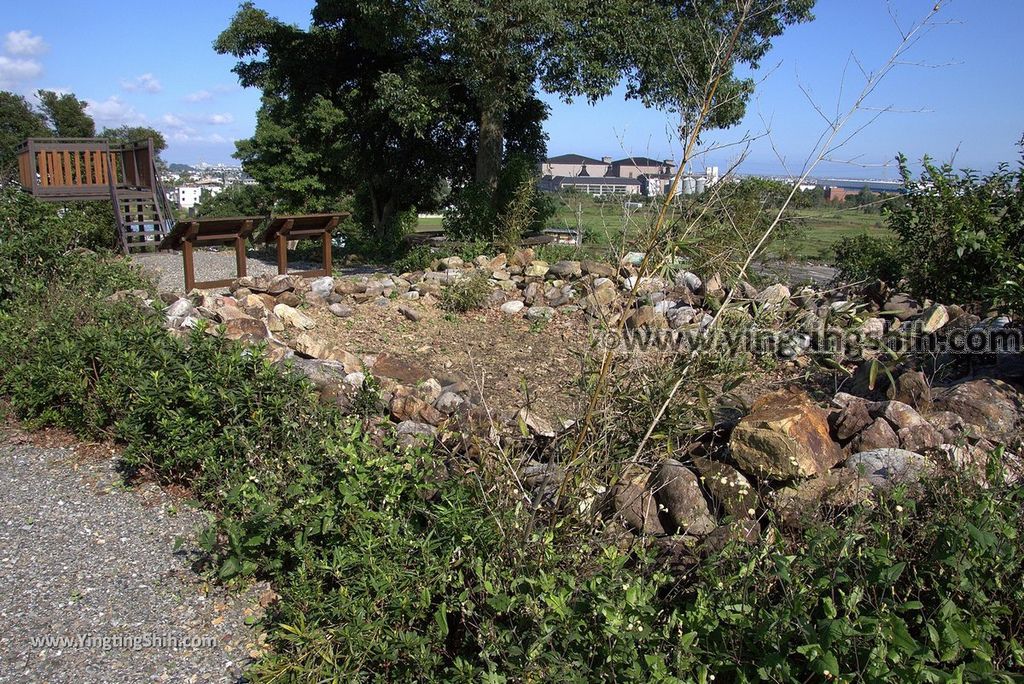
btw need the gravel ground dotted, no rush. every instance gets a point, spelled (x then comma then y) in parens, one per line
(167, 271)
(84, 558)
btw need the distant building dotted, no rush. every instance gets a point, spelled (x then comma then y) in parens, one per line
(627, 176)
(571, 165)
(600, 185)
(188, 196)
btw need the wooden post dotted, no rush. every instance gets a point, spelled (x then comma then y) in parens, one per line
(240, 256)
(328, 268)
(186, 252)
(282, 247)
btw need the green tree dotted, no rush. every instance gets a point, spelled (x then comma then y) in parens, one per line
(18, 121)
(501, 51)
(130, 134)
(356, 105)
(66, 114)
(236, 200)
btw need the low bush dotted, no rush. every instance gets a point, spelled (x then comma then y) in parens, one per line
(866, 257)
(466, 294)
(503, 215)
(959, 237)
(393, 565)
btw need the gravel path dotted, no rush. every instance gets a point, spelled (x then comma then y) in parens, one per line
(91, 566)
(167, 271)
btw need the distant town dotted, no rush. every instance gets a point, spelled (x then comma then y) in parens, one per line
(189, 185)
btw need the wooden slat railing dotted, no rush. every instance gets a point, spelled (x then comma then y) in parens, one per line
(70, 168)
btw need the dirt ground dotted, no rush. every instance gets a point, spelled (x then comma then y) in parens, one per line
(509, 361)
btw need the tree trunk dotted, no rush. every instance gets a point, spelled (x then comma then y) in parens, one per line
(491, 146)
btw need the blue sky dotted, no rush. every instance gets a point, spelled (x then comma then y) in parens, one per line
(968, 101)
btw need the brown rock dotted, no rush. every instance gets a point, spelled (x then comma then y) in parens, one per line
(899, 414)
(411, 407)
(289, 298)
(245, 329)
(637, 508)
(676, 488)
(912, 388)
(878, 435)
(851, 420)
(597, 268)
(397, 368)
(991, 407)
(785, 436)
(728, 487)
(643, 316)
(920, 437)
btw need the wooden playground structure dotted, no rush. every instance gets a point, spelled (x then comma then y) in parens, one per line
(74, 169)
(81, 169)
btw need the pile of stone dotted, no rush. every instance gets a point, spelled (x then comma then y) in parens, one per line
(796, 459)
(787, 454)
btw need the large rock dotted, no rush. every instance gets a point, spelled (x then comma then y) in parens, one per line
(637, 508)
(676, 488)
(246, 329)
(784, 436)
(933, 319)
(409, 407)
(322, 286)
(885, 467)
(728, 487)
(536, 269)
(878, 435)
(598, 268)
(566, 269)
(920, 437)
(397, 368)
(294, 317)
(801, 503)
(773, 296)
(512, 307)
(991, 407)
(851, 419)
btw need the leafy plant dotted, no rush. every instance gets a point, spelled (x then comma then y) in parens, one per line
(466, 294)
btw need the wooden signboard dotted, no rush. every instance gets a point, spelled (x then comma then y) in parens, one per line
(305, 227)
(226, 231)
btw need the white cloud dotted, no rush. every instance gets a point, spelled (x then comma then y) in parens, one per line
(14, 71)
(199, 96)
(190, 136)
(146, 82)
(172, 121)
(220, 119)
(114, 112)
(23, 43)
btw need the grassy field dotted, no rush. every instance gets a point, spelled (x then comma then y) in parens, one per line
(603, 224)
(822, 228)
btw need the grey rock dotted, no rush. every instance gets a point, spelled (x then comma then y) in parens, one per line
(885, 467)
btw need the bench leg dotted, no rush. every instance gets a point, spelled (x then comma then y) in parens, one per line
(282, 254)
(328, 266)
(190, 269)
(240, 257)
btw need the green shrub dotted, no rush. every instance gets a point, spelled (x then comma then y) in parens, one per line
(501, 217)
(466, 294)
(961, 236)
(865, 257)
(394, 565)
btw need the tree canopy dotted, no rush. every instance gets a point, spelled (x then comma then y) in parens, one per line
(130, 134)
(66, 115)
(18, 121)
(386, 100)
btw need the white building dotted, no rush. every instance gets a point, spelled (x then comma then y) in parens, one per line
(188, 196)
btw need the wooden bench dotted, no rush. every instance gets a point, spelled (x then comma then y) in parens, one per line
(282, 229)
(226, 231)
